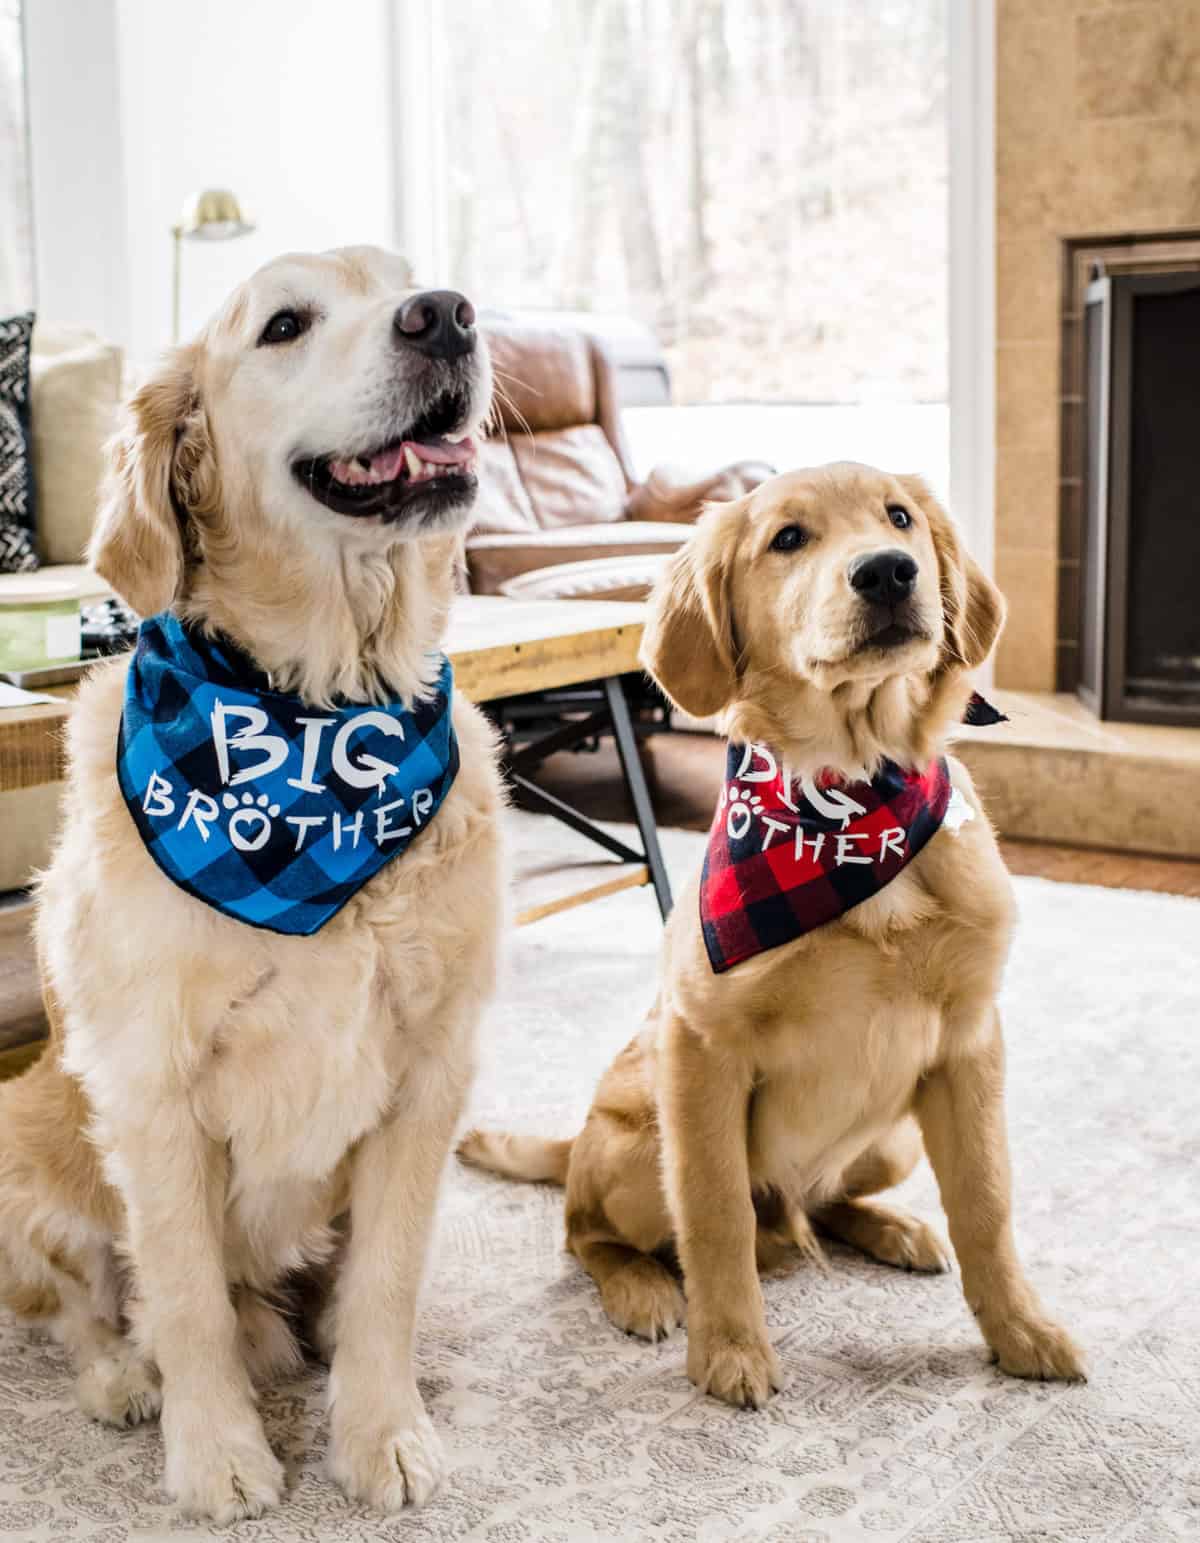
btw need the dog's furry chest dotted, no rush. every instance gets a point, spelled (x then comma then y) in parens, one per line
(832, 1082)
(313, 1054)
(302, 1065)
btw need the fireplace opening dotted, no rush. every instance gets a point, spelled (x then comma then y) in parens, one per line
(1139, 656)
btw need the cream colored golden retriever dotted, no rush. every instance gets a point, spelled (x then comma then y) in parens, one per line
(832, 617)
(216, 1093)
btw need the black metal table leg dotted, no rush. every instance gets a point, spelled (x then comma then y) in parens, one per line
(635, 781)
(529, 793)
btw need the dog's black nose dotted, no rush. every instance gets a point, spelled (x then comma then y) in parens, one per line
(437, 322)
(885, 577)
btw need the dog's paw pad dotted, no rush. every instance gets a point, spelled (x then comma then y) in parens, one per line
(742, 1373)
(393, 1468)
(1040, 1349)
(226, 1481)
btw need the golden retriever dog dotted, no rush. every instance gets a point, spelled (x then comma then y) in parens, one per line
(215, 1093)
(832, 617)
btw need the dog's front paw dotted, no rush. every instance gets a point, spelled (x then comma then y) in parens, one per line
(742, 1370)
(391, 1464)
(1036, 1347)
(226, 1475)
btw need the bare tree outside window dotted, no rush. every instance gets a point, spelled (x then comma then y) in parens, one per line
(16, 225)
(762, 182)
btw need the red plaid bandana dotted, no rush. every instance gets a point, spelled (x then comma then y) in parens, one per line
(786, 856)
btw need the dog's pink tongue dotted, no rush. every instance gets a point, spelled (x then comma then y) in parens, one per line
(443, 453)
(387, 465)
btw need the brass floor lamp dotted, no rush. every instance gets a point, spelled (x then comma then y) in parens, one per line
(214, 215)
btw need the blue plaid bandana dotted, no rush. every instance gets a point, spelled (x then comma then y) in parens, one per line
(269, 810)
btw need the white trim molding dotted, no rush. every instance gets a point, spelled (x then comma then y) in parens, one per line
(972, 267)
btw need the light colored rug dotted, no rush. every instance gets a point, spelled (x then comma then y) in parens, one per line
(892, 1426)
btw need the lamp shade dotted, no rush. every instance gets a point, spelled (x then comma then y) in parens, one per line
(213, 215)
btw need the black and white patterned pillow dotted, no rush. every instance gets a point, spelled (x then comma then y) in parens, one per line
(17, 551)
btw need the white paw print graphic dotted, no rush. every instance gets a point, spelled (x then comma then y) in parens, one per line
(250, 821)
(739, 817)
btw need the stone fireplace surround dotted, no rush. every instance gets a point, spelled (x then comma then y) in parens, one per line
(1097, 155)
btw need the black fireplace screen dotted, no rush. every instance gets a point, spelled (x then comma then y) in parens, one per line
(1140, 637)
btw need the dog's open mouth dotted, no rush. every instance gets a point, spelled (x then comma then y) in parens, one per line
(431, 465)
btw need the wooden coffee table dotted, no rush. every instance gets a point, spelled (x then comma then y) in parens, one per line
(500, 649)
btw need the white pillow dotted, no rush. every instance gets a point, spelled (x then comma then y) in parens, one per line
(76, 389)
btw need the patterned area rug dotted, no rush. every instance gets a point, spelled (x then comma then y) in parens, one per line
(893, 1426)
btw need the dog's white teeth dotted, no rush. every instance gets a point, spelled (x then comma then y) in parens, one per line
(414, 463)
(455, 438)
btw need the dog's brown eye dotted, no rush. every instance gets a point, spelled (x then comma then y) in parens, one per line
(789, 538)
(899, 516)
(283, 327)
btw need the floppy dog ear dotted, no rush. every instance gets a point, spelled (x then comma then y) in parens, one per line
(688, 645)
(160, 464)
(973, 607)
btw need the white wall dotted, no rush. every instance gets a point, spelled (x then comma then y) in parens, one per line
(77, 166)
(287, 102)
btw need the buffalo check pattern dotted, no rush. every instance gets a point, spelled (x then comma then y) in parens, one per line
(778, 866)
(786, 856)
(264, 807)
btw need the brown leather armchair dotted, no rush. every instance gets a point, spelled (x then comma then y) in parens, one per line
(560, 513)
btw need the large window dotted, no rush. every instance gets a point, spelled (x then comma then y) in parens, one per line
(762, 182)
(16, 232)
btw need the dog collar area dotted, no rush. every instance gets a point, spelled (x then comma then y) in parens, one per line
(787, 855)
(271, 811)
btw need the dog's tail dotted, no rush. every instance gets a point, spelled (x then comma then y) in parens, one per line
(517, 1157)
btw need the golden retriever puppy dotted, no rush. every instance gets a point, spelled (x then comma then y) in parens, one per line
(263, 1016)
(828, 984)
